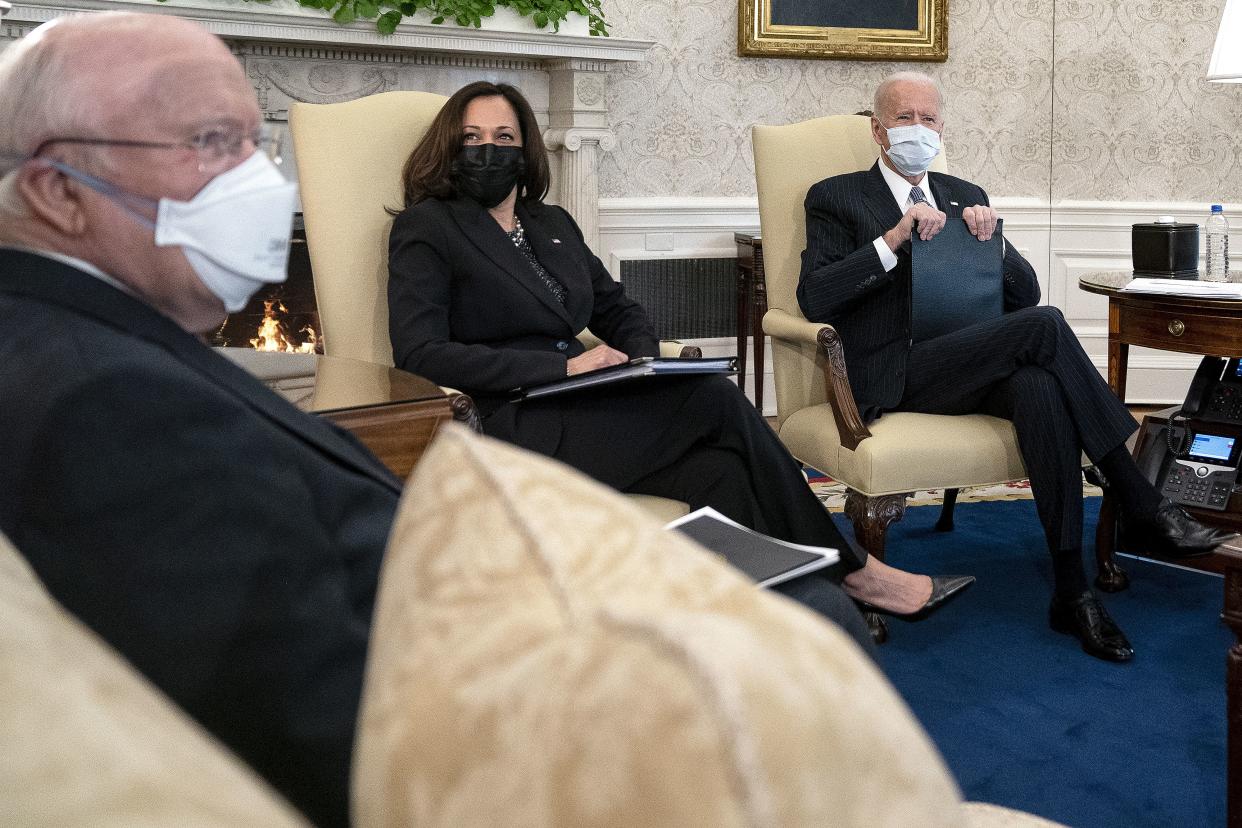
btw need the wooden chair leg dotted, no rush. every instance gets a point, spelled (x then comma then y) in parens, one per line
(1110, 577)
(871, 517)
(945, 523)
(877, 626)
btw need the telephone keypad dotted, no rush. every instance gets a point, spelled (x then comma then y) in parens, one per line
(1185, 485)
(1225, 403)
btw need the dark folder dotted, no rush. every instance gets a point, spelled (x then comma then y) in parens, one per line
(956, 280)
(634, 369)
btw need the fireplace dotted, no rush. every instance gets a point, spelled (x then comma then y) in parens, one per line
(280, 317)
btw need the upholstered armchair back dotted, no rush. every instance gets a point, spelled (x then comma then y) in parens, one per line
(349, 158)
(789, 159)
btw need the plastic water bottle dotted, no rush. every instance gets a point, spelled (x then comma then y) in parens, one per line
(1216, 231)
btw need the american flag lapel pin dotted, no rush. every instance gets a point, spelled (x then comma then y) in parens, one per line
(556, 241)
(954, 203)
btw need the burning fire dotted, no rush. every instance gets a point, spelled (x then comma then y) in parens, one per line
(273, 336)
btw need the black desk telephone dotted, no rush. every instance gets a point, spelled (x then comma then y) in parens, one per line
(1193, 459)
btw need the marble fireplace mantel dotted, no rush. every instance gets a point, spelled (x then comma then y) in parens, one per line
(296, 54)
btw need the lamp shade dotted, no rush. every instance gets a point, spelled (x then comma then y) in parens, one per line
(1226, 64)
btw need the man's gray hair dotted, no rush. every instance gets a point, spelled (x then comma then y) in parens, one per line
(43, 96)
(881, 91)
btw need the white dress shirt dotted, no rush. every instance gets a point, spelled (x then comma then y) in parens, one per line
(900, 188)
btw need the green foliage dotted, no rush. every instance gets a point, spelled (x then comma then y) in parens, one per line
(387, 14)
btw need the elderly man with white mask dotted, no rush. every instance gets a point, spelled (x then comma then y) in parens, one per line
(137, 207)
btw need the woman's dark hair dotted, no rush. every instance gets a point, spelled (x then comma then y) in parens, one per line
(428, 170)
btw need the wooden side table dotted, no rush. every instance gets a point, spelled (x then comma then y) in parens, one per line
(752, 304)
(393, 412)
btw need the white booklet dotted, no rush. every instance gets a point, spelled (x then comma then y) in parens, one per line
(1185, 287)
(765, 560)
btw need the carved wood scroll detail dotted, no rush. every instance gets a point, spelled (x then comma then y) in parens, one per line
(872, 516)
(850, 426)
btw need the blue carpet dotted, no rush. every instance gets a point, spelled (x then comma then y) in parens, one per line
(1024, 718)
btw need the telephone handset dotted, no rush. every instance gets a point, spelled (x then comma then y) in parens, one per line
(1216, 391)
(1195, 461)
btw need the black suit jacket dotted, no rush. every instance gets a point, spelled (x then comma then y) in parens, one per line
(467, 310)
(844, 284)
(225, 543)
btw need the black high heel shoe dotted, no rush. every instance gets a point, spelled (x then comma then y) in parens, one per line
(944, 590)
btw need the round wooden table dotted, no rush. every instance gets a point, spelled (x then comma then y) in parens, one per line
(1185, 324)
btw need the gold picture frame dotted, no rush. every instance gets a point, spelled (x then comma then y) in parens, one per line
(842, 37)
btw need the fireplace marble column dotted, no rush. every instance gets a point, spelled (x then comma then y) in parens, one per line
(578, 132)
(296, 54)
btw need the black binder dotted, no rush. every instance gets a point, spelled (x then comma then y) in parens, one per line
(634, 369)
(956, 280)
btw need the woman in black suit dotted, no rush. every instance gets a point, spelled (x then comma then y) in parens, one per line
(488, 286)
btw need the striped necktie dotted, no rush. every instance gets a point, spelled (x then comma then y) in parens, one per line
(916, 196)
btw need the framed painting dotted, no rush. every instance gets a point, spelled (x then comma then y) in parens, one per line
(844, 29)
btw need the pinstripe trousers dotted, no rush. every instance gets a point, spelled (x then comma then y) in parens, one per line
(1027, 367)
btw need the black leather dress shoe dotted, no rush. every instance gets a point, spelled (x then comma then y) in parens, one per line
(1086, 619)
(944, 589)
(1172, 533)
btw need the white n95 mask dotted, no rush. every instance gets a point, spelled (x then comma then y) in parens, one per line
(234, 232)
(912, 148)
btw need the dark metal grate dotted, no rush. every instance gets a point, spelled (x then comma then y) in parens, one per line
(685, 298)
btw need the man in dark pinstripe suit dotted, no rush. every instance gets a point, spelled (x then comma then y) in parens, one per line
(1026, 366)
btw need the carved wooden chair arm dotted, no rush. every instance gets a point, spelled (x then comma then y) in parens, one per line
(785, 326)
(464, 411)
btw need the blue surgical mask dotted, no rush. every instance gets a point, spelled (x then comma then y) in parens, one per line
(912, 148)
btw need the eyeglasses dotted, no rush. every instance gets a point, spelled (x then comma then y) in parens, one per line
(215, 146)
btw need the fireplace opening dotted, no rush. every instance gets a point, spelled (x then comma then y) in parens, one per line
(280, 317)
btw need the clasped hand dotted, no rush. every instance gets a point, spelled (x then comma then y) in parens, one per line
(601, 356)
(980, 220)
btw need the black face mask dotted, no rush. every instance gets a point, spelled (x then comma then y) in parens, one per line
(487, 173)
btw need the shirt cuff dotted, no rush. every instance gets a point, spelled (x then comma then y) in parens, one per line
(888, 259)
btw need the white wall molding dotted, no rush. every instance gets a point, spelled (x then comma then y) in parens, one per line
(1062, 242)
(285, 21)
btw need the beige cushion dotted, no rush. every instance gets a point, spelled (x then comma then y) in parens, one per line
(544, 660)
(86, 741)
(662, 509)
(907, 452)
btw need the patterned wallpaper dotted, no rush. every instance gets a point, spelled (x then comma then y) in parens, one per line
(1068, 99)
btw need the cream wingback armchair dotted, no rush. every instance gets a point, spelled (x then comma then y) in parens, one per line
(899, 453)
(349, 158)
